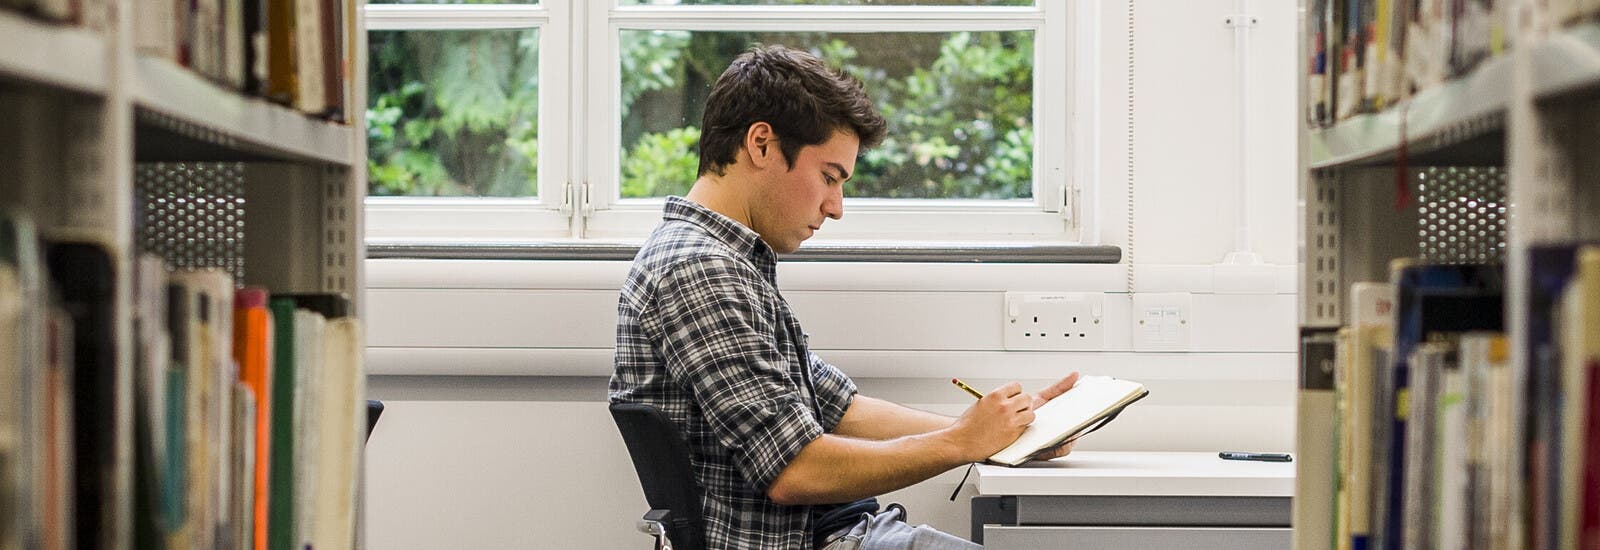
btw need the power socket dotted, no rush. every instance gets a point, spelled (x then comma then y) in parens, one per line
(1038, 321)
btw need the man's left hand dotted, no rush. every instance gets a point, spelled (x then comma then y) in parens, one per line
(1044, 396)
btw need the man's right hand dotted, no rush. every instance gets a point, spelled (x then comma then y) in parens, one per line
(993, 422)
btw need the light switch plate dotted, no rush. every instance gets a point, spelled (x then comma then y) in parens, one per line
(1162, 321)
(1046, 321)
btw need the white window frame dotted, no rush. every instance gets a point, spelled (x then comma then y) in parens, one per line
(578, 198)
(427, 219)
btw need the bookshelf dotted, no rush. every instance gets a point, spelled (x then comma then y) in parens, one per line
(1498, 166)
(1458, 122)
(102, 142)
(209, 122)
(71, 58)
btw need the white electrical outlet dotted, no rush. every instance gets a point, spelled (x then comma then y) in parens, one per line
(1054, 321)
(1161, 321)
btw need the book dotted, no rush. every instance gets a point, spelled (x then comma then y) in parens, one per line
(280, 55)
(211, 380)
(1420, 478)
(310, 94)
(1453, 450)
(1315, 443)
(1371, 329)
(309, 331)
(1550, 268)
(242, 462)
(1579, 331)
(1433, 301)
(85, 273)
(1484, 356)
(23, 382)
(14, 500)
(343, 420)
(1318, 85)
(58, 513)
(281, 509)
(175, 506)
(152, 356)
(252, 341)
(1093, 401)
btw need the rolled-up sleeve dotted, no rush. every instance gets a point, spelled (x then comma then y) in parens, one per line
(834, 391)
(718, 341)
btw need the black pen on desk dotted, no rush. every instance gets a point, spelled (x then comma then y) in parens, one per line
(964, 386)
(1261, 457)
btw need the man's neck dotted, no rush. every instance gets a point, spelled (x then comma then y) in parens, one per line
(722, 196)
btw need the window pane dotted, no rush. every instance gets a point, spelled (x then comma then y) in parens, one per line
(453, 113)
(828, 2)
(959, 105)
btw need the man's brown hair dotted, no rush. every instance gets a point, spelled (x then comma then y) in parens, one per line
(802, 98)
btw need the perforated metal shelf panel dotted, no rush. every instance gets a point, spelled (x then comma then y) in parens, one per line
(1322, 281)
(192, 214)
(1462, 216)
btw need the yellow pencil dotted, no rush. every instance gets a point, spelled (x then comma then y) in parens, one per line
(964, 386)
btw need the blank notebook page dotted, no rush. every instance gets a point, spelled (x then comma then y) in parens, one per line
(1078, 409)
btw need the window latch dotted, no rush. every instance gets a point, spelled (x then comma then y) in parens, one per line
(575, 199)
(1069, 204)
(587, 206)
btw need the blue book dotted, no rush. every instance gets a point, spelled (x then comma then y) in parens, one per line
(1431, 300)
(1550, 269)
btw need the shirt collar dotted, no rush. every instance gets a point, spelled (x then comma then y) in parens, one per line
(724, 229)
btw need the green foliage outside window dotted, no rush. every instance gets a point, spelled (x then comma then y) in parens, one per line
(960, 117)
(454, 113)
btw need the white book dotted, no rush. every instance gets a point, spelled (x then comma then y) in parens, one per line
(343, 417)
(153, 347)
(309, 329)
(212, 375)
(1094, 399)
(243, 462)
(1372, 328)
(1452, 509)
(155, 29)
(233, 39)
(310, 94)
(1420, 479)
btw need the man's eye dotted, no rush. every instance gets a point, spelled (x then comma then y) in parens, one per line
(829, 179)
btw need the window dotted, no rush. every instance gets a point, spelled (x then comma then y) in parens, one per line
(499, 121)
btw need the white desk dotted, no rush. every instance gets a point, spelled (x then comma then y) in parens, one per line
(1134, 500)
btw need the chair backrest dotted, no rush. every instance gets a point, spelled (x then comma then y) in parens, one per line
(661, 458)
(374, 410)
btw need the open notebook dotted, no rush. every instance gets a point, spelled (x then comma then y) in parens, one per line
(1094, 401)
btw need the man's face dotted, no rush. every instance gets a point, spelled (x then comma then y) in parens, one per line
(791, 205)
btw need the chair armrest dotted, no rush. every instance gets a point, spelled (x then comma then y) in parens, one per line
(655, 522)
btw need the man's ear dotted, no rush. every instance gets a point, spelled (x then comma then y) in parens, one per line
(761, 144)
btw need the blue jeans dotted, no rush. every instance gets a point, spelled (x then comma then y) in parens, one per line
(886, 531)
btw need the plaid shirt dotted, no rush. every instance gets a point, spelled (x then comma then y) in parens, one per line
(703, 334)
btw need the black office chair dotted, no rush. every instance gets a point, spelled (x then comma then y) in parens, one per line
(374, 410)
(661, 458)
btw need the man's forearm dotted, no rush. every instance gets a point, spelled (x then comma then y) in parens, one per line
(876, 419)
(833, 469)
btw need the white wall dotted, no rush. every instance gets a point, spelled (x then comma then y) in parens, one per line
(496, 433)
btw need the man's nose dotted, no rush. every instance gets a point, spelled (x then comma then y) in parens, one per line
(834, 206)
